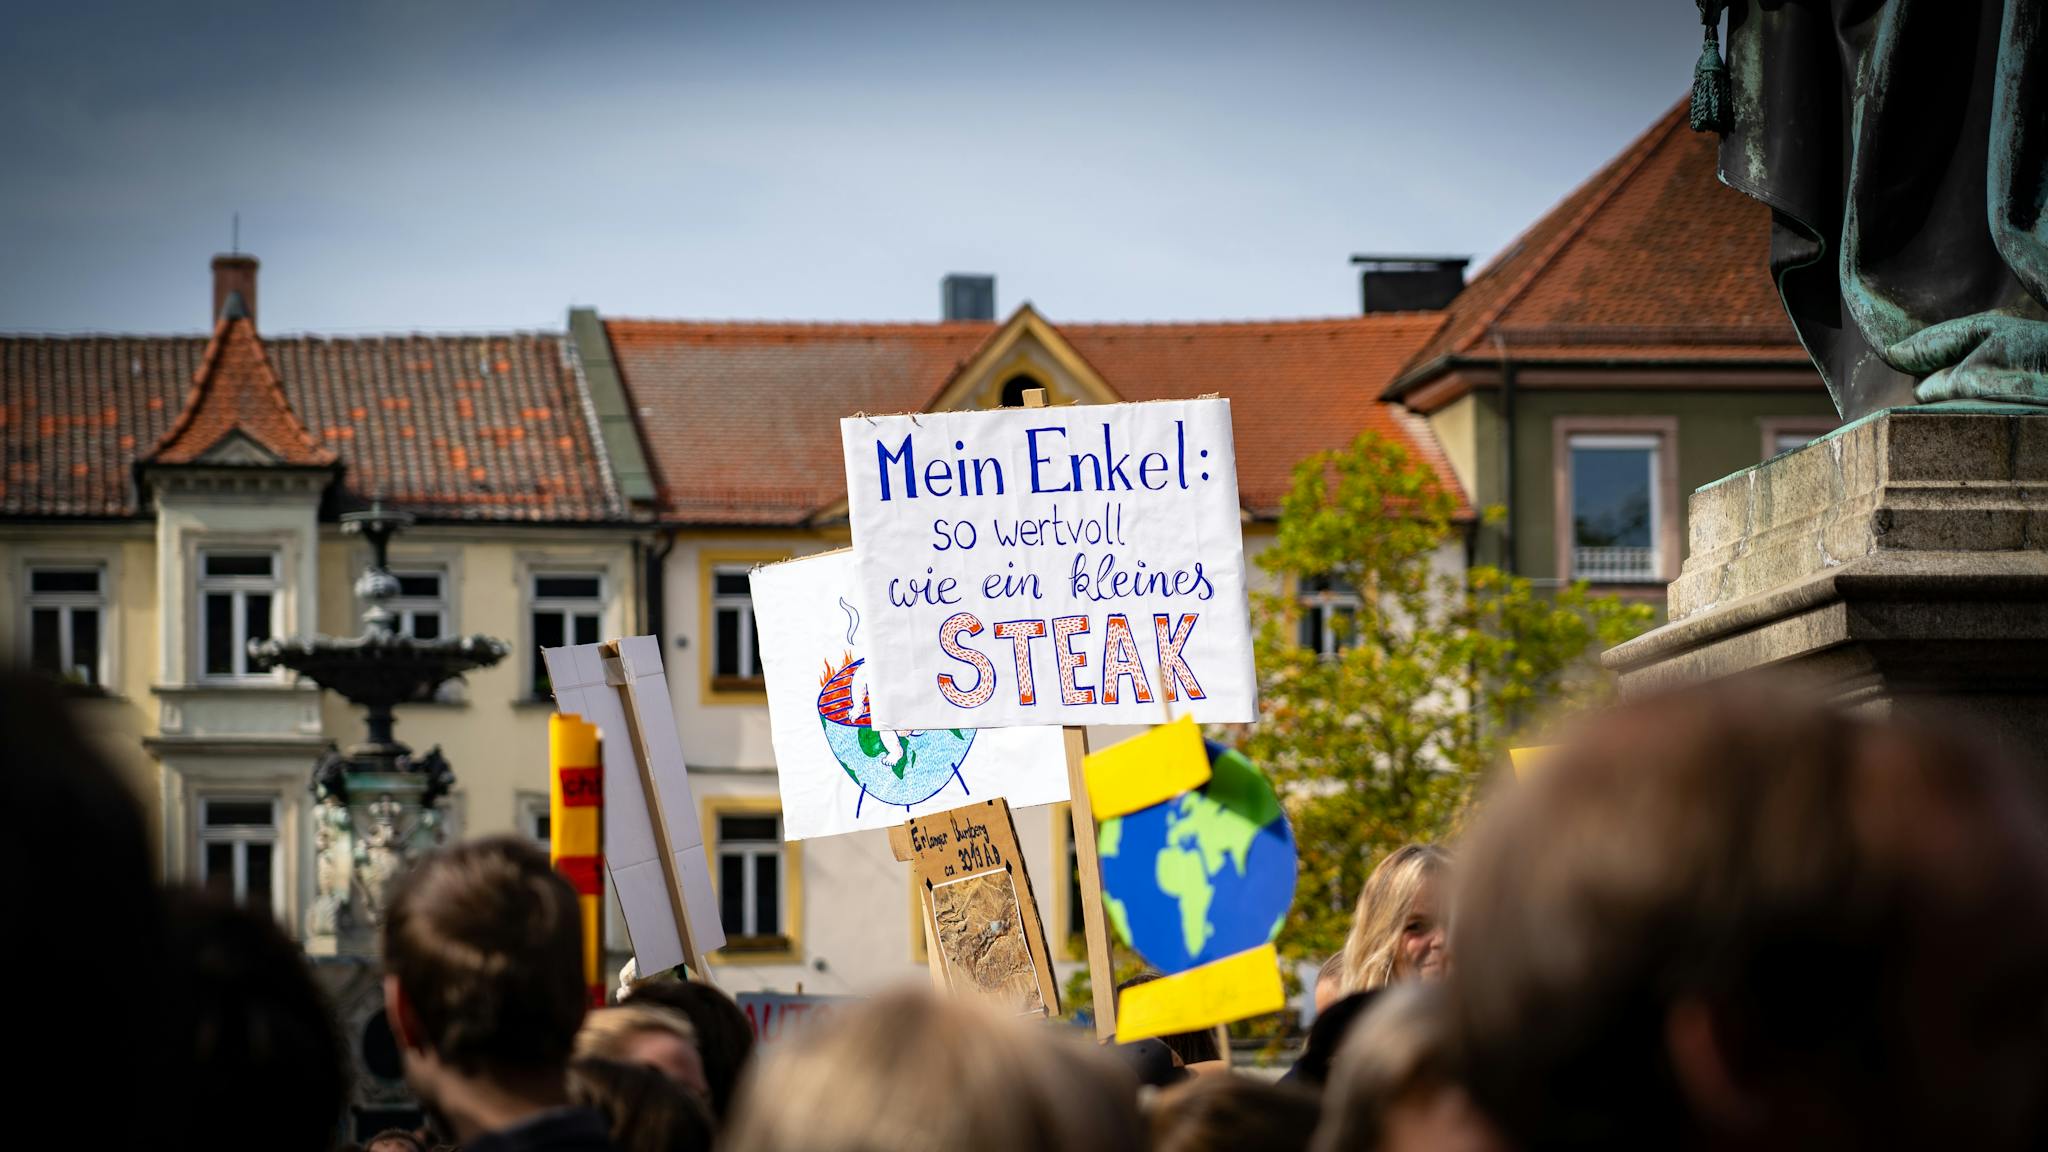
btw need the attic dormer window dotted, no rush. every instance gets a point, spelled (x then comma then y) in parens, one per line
(1014, 389)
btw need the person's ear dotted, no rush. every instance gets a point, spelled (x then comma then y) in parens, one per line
(1706, 1075)
(404, 1021)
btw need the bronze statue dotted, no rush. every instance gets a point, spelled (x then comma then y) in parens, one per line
(1902, 146)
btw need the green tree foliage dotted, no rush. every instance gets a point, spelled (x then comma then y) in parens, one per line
(1381, 741)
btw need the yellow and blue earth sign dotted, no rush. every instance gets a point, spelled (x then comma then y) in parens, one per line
(1204, 875)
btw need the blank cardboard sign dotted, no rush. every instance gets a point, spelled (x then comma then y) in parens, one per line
(583, 685)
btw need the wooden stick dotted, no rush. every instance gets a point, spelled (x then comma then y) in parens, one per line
(698, 969)
(1094, 922)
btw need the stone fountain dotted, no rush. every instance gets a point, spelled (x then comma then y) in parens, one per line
(377, 805)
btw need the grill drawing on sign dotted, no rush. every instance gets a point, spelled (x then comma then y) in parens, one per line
(981, 935)
(896, 768)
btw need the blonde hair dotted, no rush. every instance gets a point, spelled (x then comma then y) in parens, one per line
(908, 1072)
(1374, 945)
(606, 1030)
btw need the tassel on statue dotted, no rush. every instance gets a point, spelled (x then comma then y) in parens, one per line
(1710, 92)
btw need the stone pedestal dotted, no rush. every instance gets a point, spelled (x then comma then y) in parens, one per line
(1899, 562)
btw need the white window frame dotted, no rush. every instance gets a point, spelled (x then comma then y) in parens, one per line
(567, 607)
(1651, 443)
(406, 608)
(748, 851)
(1330, 601)
(742, 603)
(66, 604)
(240, 588)
(241, 836)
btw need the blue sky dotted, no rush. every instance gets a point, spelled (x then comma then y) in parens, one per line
(466, 165)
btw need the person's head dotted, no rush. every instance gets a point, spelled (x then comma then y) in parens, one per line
(72, 805)
(909, 1070)
(1395, 1084)
(724, 1038)
(483, 966)
(643, 1109)
(1232, 1114)
(1398, 928)
(394, 1140)
(646, 1034)
(258, 1040)
(1725, 919)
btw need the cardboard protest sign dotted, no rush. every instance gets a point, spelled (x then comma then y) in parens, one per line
(839, 771)
(1070, 566)
(653, 844)
(982, 933)
(1197, 883)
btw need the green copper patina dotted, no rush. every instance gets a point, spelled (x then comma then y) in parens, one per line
(1902, 146)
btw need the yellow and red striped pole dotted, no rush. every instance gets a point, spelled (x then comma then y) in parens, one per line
(576, 832)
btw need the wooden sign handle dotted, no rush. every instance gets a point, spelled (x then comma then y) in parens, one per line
(1087, 864)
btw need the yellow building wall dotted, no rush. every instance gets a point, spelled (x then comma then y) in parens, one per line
(117, 722)
(494, 734)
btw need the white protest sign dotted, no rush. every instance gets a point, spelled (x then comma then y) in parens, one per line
(594, 686)
(1079, 565)
(839, 772)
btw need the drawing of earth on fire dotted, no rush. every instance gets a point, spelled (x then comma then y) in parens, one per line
(896, 768)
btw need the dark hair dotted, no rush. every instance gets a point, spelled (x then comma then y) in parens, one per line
(87, 887)
(1231, 1113)
(725, 1039)
(487, 944)
(1730, 850)
(1326, 1035)
(259, 1040)
(643, 1109)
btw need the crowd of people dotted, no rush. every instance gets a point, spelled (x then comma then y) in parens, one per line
(1718, 919)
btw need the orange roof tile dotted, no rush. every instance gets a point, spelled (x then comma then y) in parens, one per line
(475, 427)
(1653, 259)
(742, 418)
(236, 391)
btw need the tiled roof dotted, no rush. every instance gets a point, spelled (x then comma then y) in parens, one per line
(742, 418)
(489, 427)
(235, 392)
(1295, 387)
(1651, 259)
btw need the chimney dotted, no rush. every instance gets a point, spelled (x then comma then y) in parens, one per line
(1409, 283)
(234, 275)
(967, 296)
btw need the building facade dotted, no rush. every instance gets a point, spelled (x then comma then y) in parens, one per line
(169, 498)
(1626, 349)
(741, 428)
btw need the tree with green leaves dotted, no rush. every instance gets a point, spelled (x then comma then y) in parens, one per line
(1389, 680)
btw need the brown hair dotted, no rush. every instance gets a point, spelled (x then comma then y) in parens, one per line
(644, 1111)
(1231, 1113)
(1373, 947)
(725, 1039)
(486, 942)
(908, 1072)
(1772, 863)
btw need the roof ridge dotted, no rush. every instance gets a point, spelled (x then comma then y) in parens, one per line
(1627, 164)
